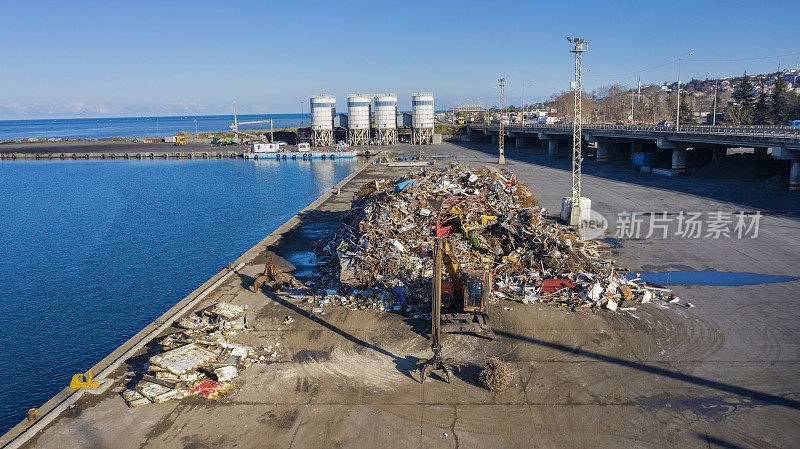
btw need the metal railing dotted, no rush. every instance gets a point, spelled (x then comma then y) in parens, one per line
(763, 131)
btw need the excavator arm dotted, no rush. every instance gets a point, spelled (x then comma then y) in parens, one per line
(465, 314)
(453, 269)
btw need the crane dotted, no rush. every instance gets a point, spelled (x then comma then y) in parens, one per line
(237, 123)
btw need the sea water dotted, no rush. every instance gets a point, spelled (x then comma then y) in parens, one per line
(93, 251)
(92, 128)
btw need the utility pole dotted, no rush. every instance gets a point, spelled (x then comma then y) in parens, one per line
(571, 210)
(502, 159)
(631, 108)
(639, 96)
(271, 138)
(678, 109)
(235, 121)
(714, 116)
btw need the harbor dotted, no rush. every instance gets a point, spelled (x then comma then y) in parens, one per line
(721, 371)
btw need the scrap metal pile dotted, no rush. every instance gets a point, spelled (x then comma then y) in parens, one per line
(199, 360)
(384, 250)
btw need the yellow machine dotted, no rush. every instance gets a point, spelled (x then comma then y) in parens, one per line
(464, 298)
(83, 381)
(456, 306)
(180, 141)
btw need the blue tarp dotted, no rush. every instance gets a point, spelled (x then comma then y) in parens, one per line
(400, 186)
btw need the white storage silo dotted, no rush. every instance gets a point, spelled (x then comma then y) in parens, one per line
(323, 109)
(358, 114)
(422, 118)
(386, 119)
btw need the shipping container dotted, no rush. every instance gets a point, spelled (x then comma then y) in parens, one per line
(643, 159)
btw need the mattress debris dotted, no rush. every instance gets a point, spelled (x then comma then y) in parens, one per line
(198, 360)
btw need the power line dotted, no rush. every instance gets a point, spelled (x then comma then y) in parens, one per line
(746, 59)
(635, 72)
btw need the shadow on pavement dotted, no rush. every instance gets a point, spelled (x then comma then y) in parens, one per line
(764, 398)
(405, 365)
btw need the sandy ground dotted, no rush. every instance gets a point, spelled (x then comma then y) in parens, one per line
(723, 374)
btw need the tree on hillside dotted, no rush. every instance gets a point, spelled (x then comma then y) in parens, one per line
(743, 93)
(687, 112)
(738, 115)
(780, 103)
(653, 107)
(564, 103)
(795, 107)
(762, 111)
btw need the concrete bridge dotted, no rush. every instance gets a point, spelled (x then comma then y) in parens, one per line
(619, 142)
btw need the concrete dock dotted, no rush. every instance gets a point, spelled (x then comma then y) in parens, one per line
(78, 150)
(722, 374)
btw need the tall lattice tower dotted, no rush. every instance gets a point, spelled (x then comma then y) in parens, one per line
(579, 46)
(500, 140)
(575, 209)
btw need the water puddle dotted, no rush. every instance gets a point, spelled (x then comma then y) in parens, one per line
(720, 278)
(612, 244)
(303, 261)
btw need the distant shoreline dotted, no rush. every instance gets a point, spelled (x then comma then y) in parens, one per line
(142, 139)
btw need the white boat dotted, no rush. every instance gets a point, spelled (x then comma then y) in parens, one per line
(304, 151)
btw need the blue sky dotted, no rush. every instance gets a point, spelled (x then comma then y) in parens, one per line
(87, 59)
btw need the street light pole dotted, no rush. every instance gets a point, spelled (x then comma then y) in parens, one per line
(678, 110)
(523, 101)
(631, 108)
(714, 116)
(631, 94)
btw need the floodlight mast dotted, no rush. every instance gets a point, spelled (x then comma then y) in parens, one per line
(500, 138)
(579, 46)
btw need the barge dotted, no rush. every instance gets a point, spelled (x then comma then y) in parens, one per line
(267, 151)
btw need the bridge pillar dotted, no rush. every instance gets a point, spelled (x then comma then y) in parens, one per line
(519, 141)
(495, 139)
(794, 175)
(679, 159)
(602, 150)
(552, 147)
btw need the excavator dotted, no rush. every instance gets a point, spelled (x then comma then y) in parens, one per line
(458, 305)
(464, 297)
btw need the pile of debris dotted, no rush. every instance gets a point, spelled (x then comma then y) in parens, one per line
(383, 253)
(198, 360)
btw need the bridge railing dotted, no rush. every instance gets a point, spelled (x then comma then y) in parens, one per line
(766, 131)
